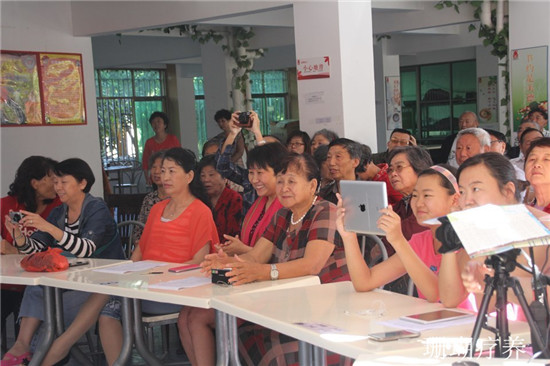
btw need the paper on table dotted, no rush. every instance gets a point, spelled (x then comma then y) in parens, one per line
(408, 325)
(181, 283)
(131, 267)
(491, 229)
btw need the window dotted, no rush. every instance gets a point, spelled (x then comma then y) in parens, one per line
(434, 96)
(200, 113)
(269, 100)
(125, 100)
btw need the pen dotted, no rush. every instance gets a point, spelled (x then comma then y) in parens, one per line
(155, 273)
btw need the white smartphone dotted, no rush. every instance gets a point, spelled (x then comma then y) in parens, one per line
(437, 316)
(393, 335)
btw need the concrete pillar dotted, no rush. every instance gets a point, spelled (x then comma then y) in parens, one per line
(344, 102)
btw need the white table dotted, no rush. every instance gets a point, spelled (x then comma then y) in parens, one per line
(135, 286)
(12, 273)
(338, 305)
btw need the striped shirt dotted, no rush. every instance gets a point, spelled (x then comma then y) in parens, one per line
(70, 242)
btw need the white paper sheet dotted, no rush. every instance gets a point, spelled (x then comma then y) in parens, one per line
(131, 267)
(181, 283)
(408, 325)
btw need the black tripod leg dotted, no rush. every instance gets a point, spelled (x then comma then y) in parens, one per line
(482, 314)
(535, 331)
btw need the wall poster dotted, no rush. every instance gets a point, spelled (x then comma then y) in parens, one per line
(393, 103)
(529, 81)
(39, 89)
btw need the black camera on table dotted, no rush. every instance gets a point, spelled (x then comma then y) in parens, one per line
(16, 216)
(219, 276)
(244, 119)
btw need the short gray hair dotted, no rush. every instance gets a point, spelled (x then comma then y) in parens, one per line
(482, 135)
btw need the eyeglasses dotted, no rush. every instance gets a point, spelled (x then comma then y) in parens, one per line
(397, 168)
(295, 144)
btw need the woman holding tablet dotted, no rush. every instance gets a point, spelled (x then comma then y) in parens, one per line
(434, 194)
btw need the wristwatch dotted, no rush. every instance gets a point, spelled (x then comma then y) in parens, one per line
(274, 272)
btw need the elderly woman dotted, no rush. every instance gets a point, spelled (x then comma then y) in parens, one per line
(82, 227)
(299, 142)
(301, 240)
(537, 172)
(322, 137)
(196, 325)
(227, 204)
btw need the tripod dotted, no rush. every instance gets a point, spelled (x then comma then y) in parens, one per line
(503, 264)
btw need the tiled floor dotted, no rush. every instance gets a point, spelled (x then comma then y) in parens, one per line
(176, 355)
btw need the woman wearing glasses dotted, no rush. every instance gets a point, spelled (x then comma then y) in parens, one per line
(299, 142)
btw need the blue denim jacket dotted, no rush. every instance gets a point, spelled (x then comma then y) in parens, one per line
(96, 224)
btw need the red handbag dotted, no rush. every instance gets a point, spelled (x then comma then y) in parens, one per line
(49, 261)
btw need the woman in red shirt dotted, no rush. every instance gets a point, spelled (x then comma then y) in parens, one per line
(161, 141)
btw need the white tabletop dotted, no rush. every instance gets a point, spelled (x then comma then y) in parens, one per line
(368, 360)
(135, 285)
(12, 273)
(338, 305)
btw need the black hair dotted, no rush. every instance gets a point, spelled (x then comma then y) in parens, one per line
(305, 139)
(154, 156)
(400, 130)
(498, 166)
(353, 148)
(222, 113)
(303, 163)
(499, 135)
(78, 169)
(540, 110)
(33, 167)
(542, 142)
(418, 157)
(264, 156)
(443, 180)
(328, 134)
(526, 131)
(187, 159)
(366, 158)
(320, 155)
(161, 115)
(208, 160)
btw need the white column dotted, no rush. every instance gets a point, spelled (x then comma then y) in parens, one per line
(345, 102)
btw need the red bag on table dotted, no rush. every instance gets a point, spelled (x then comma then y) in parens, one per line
(49, 261)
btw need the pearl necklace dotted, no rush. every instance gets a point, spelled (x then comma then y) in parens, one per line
(304, 215)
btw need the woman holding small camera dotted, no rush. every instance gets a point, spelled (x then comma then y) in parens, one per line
(82, 227)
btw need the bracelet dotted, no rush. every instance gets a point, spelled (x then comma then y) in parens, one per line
(261, 142)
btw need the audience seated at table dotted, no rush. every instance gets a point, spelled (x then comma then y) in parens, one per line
(322, 137)
(180, 229)
(236, 173)
(435, 194)
(227, 205)
(31, 190)
(298, 142)
(196, 325)
(82, 227)
(301, 240)
(367, 170)
(161, 141)
(158, 194)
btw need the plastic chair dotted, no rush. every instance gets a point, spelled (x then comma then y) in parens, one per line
(126, 232)
(149, 321)
(125, 207)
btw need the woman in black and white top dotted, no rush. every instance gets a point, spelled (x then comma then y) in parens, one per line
(81, 226)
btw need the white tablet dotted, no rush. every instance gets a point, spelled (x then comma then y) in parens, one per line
(363, 201)
(436, 316)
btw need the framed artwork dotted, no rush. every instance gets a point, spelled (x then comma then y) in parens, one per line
(41, 89)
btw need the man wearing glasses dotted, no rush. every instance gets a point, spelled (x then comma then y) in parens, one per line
(448, 147)
(398, 137)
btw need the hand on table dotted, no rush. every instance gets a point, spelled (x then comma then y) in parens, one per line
(245, 272)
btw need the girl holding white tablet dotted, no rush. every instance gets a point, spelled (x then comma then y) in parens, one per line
(435, 194)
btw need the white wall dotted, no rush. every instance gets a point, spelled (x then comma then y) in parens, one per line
(36, 26)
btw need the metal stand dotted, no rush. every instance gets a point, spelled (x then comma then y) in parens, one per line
(500, 282)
